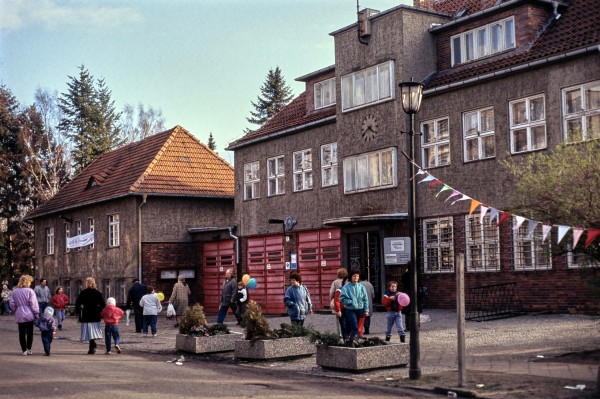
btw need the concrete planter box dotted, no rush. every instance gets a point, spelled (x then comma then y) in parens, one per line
(210, 344)
(360, 359)
(274, 348)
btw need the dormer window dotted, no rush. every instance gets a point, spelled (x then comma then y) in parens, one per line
(324, 93)
(91, 183)
(483, 41)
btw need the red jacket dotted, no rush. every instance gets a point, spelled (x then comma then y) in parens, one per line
(111, 315)
(59, 301)
(390, 301)
(337, 304)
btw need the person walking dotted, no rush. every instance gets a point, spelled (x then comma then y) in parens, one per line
(366, 321)
(6, 294)
(43, 294)
(394, 315)
(297, 300)
(240, 299)
(356, 303)
(227, 293)
(111, 315)
(179, 298)
(152, 307)
(47, 327)
(335, 286)
(134, 295)
(59, 302)
(25, 307)
(88, 306)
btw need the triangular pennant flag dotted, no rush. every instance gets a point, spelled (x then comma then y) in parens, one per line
(591, 236)
(520, 220)
(504, 216)
(446, 187)
(435, 183)
(562, 230)
(494, 213)
(577, 232)
(484, 210)
(419, 172)
(531, 225)
(454, 194)
(464, 197)
(428, 178)
(474, 205)
(545, 231)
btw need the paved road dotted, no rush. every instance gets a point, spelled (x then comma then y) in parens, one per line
(70, 373)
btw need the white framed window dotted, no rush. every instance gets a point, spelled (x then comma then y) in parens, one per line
(482, 240)
(438, 245)
(121, 290)
(91, 230)
(578, 259)
(368, 86)
(483, 41)
(106, 288)
(275, 176)
(324, 93)
(435, 143)
(113, 230)
(303, 170)
(527, 124)
(67, 236)
(251, 180)
(479, 138)
(529, 252)
(370, 171)
(78, 229)
(329, 165)
(581, 110)
(49, 240)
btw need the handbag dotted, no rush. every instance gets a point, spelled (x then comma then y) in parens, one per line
(171, 310)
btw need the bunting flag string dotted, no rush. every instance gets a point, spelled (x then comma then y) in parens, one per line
(500, 217)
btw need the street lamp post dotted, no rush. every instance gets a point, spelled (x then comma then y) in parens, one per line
(412, 93)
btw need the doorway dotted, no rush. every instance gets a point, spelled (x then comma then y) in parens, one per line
(364, 254)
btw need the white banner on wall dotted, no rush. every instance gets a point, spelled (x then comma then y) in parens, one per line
(81, 240)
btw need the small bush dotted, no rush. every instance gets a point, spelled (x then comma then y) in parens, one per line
(292, 330)
(257, 326)
(333, 339)
(193, 322)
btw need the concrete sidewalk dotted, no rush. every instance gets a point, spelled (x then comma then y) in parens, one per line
(529, 344)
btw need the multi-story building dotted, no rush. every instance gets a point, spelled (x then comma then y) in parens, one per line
(324, 183)
(153, 209)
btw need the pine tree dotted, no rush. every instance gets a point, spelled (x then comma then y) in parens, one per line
(275, 95)
(89, 118)
(211, 142)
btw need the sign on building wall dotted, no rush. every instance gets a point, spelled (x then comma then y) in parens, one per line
(396, 250)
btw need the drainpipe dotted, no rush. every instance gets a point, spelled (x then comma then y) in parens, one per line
(237, 248)
(144, 197)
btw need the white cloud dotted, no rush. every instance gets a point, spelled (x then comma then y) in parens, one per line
(18, 14)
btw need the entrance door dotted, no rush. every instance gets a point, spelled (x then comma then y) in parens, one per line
(217, 257)
(364, 254)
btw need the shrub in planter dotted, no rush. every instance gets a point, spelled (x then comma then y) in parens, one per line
(198, 337)
(263, 343)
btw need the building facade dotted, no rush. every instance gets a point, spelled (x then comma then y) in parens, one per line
(324, 183)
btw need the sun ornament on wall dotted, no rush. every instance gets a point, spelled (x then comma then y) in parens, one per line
(369, 127)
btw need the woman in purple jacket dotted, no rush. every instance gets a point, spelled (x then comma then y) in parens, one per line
(24, 305)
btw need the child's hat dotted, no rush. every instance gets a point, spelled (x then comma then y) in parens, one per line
(49, 311)
(111, 301)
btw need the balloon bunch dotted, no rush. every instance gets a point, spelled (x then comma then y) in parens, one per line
(248, 281)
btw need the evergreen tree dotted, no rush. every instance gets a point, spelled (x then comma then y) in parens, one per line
(211, 142)
(89, 118)
(275, 95)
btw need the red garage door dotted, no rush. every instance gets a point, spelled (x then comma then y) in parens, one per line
(267, 266)
(319, 258)
(218, 256)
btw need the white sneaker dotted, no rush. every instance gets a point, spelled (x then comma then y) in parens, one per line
(29, 351)
(25, 353)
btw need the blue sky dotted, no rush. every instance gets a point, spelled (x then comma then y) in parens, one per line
(200, 62)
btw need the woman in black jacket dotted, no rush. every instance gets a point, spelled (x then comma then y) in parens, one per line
(88, 306)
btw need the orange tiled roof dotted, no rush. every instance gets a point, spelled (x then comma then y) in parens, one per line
(293, 115)
(169, 163)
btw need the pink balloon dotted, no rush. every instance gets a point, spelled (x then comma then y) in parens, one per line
(403, 299)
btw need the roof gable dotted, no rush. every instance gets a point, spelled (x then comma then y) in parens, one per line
(169, 163)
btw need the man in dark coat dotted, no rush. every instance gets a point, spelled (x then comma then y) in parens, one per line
(229, 290)
(135, 294)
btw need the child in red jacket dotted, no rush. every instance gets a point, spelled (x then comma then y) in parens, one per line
(394, 314)
(111, 315)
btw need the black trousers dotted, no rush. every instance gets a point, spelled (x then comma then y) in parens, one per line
(138, 314)
(26, 335)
